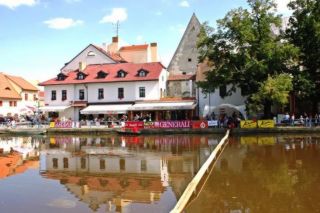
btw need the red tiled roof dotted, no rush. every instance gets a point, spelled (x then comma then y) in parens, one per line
(116, 57)
(181, 77)
(21, 82)
(154, 70)
(6, 89)
(134, 47)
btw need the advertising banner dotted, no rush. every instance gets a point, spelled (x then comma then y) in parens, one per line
(213, 123)
(149, 125)
(266, 123)
(247, 124)
(172, 124)
(134, 124)
(199, 124)
(63, 124)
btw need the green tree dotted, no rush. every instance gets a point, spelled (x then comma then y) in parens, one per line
(304, 32)
(244, 51)
(275, 89)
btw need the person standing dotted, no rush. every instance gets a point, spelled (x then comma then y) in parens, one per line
(316, 119)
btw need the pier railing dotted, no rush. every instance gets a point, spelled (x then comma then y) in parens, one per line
(192, 186)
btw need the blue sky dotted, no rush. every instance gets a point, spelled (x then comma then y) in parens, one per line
(38, 36)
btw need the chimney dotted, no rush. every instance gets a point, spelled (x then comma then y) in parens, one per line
(82, 66)
(154, 52)
(113, 47)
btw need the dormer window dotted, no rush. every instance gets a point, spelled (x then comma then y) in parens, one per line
(142, 73)
(7, 88)
(91, 53)
(61, 77)
(121, 74)
(102, 74)
(81, 76)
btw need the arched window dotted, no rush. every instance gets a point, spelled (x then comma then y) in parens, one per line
(91, 53)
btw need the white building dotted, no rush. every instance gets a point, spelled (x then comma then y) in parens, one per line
(17, 96)
(104, 88)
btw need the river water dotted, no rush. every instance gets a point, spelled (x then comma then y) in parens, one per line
(98, 174)
(264, 174)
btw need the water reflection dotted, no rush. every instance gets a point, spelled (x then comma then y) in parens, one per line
(264, 174)
(18, 155)
(111, 173)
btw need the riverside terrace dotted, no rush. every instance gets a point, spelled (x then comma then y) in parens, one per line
(162, 127)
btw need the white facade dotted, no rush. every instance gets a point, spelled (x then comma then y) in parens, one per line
(154, 90)
(213, 102)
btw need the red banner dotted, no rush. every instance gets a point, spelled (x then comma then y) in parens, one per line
(172, 124)
(199, 124)
(134, 124)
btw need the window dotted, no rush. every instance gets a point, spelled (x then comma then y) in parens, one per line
(64, 95)
(55, 163)
(83, 163)
(121, 74)
(120, 93)
(7, 88)
(65, 163)
(102, 164)
(143, 165)
(12, 103)
(101, 74)
(26, 96)
(91, 53)
(80, 76)
(122, 164)
(61, 77)
(142, 73)
(81, 94)
(184, 73)
(35, 97)
(53, 95)
(100, 94)
(142, 92)
(1, 103)
(189, 59)
(223, 91)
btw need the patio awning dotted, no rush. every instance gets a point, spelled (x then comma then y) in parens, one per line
(106, 109)
(53, 108)
(163, 106)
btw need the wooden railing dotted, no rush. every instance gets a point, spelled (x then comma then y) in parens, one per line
(192, 186)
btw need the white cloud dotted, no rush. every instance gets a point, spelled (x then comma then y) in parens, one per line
(282, 6)
(117, 14)
(184, 4)
(62, 23)
(16, 3)
(139, 38)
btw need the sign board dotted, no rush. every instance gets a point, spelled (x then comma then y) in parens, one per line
(199, 124)
(213, 123)
(173, 124)
(266, 123)
(51, 125)
(248, 124)
(63, 124)
(134, 124)
(149, 125)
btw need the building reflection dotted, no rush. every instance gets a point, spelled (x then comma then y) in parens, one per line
(116, 172)
(17, 155)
